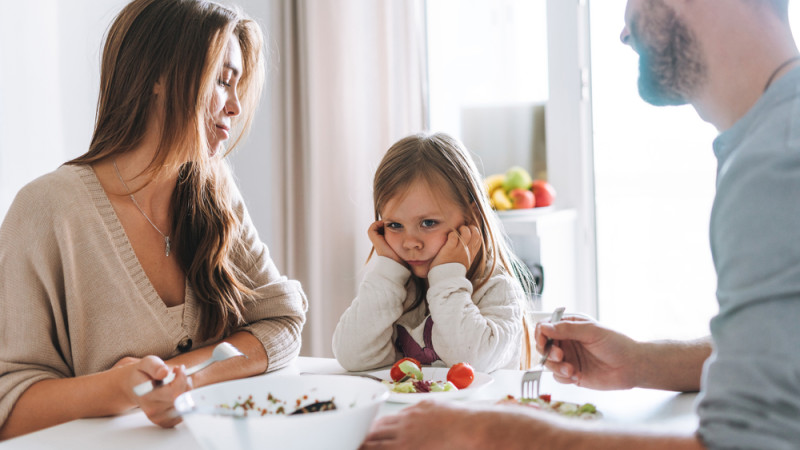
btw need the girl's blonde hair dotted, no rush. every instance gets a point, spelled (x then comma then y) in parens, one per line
(443, 163)
(181, 44)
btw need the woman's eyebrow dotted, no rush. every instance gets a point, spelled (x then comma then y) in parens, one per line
(235, 70)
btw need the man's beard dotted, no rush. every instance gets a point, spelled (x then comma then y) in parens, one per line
(671, 67)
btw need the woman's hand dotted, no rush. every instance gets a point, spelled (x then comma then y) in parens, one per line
(158, 405)
(382, 248)
(461, 247)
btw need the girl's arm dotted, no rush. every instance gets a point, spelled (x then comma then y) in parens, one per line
(363, 337)
(482, 328)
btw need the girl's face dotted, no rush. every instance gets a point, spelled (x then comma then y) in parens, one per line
(224, 99)
(416, 224)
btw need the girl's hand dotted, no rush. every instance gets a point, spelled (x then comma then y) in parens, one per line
(382, 247)
(461, 247)
(158, 404)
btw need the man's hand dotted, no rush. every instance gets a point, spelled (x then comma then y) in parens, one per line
(426, 425)
(588, 354)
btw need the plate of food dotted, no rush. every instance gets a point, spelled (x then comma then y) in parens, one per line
(586, 411)
(408, 382)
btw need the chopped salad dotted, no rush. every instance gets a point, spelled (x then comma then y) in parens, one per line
(407, 378)
(545, 403)
(278, 407)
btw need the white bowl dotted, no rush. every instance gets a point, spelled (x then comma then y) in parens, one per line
(357, 401)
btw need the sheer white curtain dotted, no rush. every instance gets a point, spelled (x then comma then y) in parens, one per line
(349, 79)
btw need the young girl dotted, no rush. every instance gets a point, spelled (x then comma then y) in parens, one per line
(444, 288)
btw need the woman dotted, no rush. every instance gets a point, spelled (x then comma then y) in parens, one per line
(133, 260)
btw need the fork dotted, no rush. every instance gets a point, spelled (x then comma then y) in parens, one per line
(531, 378)
(222, 351)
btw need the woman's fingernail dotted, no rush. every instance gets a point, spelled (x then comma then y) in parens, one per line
(564, 371)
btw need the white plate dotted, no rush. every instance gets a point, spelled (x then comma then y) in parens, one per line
(435, 374)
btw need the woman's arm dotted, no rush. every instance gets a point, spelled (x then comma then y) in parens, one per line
(53, 401)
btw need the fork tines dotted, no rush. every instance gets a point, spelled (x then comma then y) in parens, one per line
(530, 383)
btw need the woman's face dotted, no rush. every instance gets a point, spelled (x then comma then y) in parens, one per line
(416, 225)
(225, 100)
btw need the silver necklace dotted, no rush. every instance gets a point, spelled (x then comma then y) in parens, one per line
(166, 238)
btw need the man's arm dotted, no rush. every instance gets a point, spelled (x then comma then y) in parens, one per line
(508, 428)
(590, 355)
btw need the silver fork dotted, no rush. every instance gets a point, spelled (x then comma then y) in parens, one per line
(222, 351)
(531, 378)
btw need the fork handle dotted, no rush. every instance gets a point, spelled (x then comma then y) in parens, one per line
(557, 314)
(146, 387)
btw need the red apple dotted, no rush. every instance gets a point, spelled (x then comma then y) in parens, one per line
(522, 198)
(544, 192)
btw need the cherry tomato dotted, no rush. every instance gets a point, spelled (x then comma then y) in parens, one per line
(545, 397)
(461, 375)
(398, 374)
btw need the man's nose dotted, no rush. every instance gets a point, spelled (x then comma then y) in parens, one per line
(625, 35)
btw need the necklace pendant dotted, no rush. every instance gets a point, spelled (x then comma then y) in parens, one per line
(166, 240)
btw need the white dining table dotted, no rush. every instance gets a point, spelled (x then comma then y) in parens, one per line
(646, 408)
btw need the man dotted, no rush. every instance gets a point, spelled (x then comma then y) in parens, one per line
(736, 62)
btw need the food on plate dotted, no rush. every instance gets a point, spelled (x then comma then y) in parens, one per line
(278, 407)
(414, 386)
(407, 378)
(545, 403)
(543, 192)
(461, 375)
(397, 373)
(516, 189)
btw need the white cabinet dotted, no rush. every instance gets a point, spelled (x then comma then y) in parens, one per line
(544, 239)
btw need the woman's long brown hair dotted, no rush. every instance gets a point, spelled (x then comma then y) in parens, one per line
(446, 166)
(181, 44)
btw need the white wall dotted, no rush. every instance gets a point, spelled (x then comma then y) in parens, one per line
(49, 78)
(49, 75)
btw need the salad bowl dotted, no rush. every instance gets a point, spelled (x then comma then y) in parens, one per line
(257, 412)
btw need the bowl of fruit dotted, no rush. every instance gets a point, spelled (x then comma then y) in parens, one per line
(517, 190)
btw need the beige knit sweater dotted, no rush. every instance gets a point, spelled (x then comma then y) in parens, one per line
(74, 299)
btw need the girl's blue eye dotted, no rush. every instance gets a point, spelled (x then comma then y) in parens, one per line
(428, 223)
(393, 225)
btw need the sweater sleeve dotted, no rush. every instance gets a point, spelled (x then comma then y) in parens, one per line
(33, 343)
(484, 328)
(363, 337)
(277, 313)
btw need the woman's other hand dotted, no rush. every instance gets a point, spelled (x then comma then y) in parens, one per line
(158, 404)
